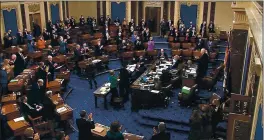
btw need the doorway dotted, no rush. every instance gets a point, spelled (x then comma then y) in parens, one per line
(153, 18)
(36, 18)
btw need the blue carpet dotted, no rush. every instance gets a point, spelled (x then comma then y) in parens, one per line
(82, 98)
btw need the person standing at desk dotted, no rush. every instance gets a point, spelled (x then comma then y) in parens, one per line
(85, 124)
(113, 85)
(124, 83)
(162, 54)
(202, 64)
(90, 72)
(51, 66)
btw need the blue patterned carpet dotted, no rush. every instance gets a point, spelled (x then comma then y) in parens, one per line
(141, 122)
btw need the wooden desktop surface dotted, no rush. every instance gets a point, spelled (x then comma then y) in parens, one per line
(57, 100)
(11, 111)
(19, 127)
(9, 98)
(65, 115)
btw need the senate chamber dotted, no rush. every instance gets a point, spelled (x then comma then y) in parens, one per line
(131, 70)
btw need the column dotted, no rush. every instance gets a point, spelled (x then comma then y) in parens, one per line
(200, 16)
(169, 7)
(136, 19)
(108, 8)
(49, 12)
(2, 25)
(101, 9)
(19, 17)
(27, 16)
(176, 12)
(42, 15)
(128, 11)
(208, 13)
(61, 11)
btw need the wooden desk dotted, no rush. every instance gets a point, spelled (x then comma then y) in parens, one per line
(19, 127)
(127, 136)
(98, 93)
(8, 99)
(35, 55)
(15, 86)
(55, 86)
(57, 100)
(65, 115)
(59, 59)
(10, 111)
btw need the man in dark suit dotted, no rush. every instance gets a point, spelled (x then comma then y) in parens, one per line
(124, 83)
(30, 109)
(3, 81)
(77, 58)
(162, 54)
(48, 106)
(199, 43)
(36, 30)
(81, 20)
(203, 64)
(85, 124)
(42, 73)
(90, 73)
(175, 62)
(37, 93)
(19, 63)
(161, 134)
(211, 27)
(138, 44)
(217, 114)
(165, 77)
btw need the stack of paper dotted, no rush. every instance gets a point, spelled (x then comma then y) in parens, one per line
(98, 129)
(62, 109)
(154, 91)
(14, 80)
(19, 119)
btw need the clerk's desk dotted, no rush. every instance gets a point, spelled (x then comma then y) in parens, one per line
(144, 93)
(189, 75)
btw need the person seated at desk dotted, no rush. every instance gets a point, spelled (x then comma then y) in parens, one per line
(162, 54)
(165, 77)
(85, 124)
(175, 61)
(29, 109)
(115, 132)
(161, 133)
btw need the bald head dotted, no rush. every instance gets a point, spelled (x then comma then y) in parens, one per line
(203, 51)
(13, 57)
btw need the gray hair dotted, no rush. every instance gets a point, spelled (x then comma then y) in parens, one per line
(162, 126)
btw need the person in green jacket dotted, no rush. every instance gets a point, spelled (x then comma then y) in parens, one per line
(115, 132)
(113, 85)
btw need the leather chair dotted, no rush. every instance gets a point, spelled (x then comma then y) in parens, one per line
(41, 127)
(193, 39)
(94, 42)
(171, 39)
(127, 56)
(187, 99)
(176, 52)
(182, 39)
(175, 46)
(186, 45)
(111, 49)
(113, 34)
(152, 54)
(98, 35)
(209, 82)
(187, 54)
(86, 36)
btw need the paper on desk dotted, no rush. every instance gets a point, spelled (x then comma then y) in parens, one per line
(96, 61)
(154, 91)
(62, 109)
(98, 129)
(19, 119)
(14, 80)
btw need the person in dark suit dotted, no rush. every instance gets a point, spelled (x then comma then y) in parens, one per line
(20, 39)
(3, 81)
(90, 73)
(165, 77)
(161, 134)
(146, 35)
(36, 30)
(33, 110)
(85, 124)
(46, 35)
(211, 27)
(196, 126)
(162, 54)
(51, 66)
(217, 115)
(124, 83)
(206, 122)
(138, 44)
(199, 43)
(48, 106)
(203, 29)
(82, 20)
(19, 63)
(203, 64)
(175, 62)
(171, 31)
(77, 57)
(7, 41)
(37, 93)
(49, 26)
(42, 73)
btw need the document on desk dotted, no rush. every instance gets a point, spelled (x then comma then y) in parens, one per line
(19, 119)
(154, 91)
(62, 109)
(98, 129)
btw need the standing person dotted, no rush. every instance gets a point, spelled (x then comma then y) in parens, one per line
(90, 72)
(161, 134)
(217, 115)
(113, 85)
(163, 28)
(3, 81)
(85, 124)
(151, 44)
(206, 123)
(203, 64)
(196, 126)
(62, 43)
(124, 83)
(51, 65)
(115, 132)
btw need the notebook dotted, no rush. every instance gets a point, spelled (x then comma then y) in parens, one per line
(19, 119)
(98, 129)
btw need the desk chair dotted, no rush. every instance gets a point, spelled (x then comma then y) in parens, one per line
(187, 54)
(196, 54)
(152, 54)
(193, 39)
(176, 52)
(98, 35)
(171, 39)
(175, 46)
(181, 39)
(140, 53)
(41, 127)
(186, 45)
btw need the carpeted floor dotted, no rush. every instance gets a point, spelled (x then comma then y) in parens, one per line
(141, 122)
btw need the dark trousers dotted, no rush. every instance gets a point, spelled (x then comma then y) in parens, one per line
(91, 80)
(114, 93)
(3, 89)
(124, 91)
